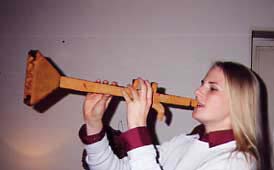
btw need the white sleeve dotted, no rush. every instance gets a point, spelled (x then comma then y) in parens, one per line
(144, 158)
(101, 157)
(151, 157)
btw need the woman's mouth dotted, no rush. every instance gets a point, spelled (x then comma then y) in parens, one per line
(200, 105)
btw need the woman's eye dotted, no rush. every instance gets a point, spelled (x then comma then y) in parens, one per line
(202, 82)
(213, 89)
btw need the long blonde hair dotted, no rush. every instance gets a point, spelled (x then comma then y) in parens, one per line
(249, 123)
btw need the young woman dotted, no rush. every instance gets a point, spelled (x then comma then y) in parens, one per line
(231, 135)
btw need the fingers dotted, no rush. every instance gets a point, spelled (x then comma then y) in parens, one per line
(114, 83)
(134, 93)
(130, 94)
(104, 101)
(106, 98)
(126, 95)
(95, 97)
(149, 92)
(144, 93)
(143, 89)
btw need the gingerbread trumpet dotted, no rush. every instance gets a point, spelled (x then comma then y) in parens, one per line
(42, 78)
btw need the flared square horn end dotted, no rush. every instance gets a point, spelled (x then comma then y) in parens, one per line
(41, 78)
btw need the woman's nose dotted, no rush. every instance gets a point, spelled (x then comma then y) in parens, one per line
(198, 91)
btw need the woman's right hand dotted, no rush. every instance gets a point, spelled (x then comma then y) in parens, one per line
(138, 103)
(94, 108)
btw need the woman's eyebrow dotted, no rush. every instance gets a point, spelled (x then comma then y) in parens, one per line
(209, 82)
(212, 82)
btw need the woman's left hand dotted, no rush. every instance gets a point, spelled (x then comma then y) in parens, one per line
(138, 103)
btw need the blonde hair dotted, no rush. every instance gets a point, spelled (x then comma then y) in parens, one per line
(243, 88)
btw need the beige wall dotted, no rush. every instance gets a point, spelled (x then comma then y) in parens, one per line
(169, 42)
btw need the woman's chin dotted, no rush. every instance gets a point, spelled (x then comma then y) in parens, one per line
(197, 114)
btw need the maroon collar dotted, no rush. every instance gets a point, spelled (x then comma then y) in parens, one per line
(214, 138)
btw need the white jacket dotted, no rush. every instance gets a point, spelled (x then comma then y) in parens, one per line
(184, 152)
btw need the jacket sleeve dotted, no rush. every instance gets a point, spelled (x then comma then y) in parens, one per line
(101, 157)
(159, 157)
(144, 158)
(142, 154)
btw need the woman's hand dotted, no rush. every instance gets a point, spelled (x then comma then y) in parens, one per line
(138, 103)
(94, 108)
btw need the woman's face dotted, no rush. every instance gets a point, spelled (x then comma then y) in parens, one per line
(213, 105)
